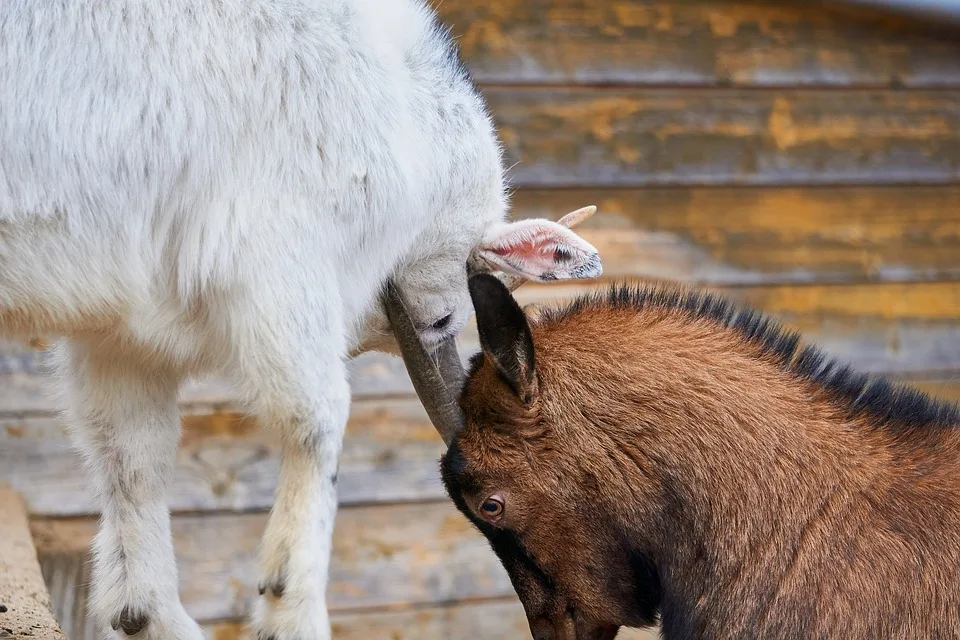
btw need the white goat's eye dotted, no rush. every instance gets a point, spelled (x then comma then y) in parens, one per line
(442, 323)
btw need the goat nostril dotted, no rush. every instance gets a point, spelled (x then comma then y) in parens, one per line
(442, 323)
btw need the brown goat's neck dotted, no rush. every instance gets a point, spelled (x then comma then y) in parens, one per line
(756, 489)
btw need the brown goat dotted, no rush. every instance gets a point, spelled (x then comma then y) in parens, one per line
(661, 453)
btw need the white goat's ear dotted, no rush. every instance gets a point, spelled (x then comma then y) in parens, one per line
(537, 250)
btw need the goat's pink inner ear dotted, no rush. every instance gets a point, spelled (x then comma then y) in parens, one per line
(539, 250)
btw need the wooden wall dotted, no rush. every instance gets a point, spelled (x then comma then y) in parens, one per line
(803, 159)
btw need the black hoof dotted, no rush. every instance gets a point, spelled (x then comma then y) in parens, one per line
(276, 588)
(131, 623)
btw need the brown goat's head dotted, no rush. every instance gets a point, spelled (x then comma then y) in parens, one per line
(509, 471)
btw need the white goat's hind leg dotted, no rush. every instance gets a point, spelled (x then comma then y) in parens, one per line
(125, 421)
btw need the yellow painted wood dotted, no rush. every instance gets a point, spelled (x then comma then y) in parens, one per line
(743, 236)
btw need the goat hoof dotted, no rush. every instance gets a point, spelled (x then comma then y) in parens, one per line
(274, 587)
(131, 623)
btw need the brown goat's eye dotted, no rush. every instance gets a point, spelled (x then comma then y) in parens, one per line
(492, 508)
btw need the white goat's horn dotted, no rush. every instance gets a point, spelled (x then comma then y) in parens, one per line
(438, 382)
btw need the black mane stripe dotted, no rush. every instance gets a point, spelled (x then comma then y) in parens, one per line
(889, 404)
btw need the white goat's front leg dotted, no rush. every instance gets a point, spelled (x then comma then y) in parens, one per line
(291, 366)
(295, 553)
(124, 418)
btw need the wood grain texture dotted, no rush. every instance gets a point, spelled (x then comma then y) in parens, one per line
(25, 382)
(494, 620)
(750, 236)
(25, 610)
(391, 453)
(663, 42)
(383, 556)
(633, 137)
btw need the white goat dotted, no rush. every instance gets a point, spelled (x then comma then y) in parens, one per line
(191, 187)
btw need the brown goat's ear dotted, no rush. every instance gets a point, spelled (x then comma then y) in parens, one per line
(504, 333)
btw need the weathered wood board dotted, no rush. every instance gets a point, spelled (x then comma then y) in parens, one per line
(758, 235)
(391, 453)
(25, 383)
(698, 42)
(577, 137)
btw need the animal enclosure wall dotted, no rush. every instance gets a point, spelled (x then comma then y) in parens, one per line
(803, 159)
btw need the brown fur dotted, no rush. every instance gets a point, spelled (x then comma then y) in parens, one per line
(679, 457)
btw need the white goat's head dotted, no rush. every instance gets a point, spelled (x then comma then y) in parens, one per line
(434, 284)
(529, 250)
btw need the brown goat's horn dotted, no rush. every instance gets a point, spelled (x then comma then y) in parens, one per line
(436, 381)
(570, 220)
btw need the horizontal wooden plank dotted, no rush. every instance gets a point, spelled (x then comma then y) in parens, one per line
(892, 328)
(750, 235)
(25, 383)
(493, 620)
(663, 42)
(638, 137)
(383, 556)
(390, 454)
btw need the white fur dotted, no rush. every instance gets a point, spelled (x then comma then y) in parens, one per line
(190, 187)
